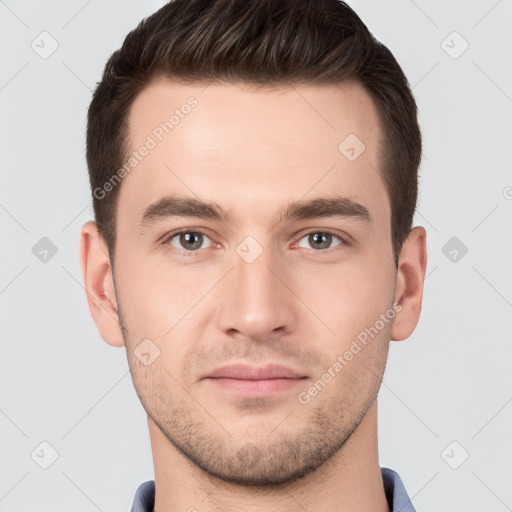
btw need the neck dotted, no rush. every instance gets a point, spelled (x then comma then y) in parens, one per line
(349, 481)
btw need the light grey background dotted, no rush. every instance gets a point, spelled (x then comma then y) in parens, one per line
(449, 382)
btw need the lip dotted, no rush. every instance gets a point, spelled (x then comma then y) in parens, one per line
(246, 372)
(249, 381)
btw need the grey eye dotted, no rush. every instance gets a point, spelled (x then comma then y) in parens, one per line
(189, 240)
(320, 240)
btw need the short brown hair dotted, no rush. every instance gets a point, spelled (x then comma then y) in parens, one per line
(261, 42)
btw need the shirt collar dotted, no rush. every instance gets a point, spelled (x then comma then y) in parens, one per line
(397, 497)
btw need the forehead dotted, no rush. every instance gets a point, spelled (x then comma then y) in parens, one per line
(246, 147)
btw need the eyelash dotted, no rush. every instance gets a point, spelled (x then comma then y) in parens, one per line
(174, 250)
(196, 253)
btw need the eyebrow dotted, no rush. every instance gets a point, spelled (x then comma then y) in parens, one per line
(176, 206)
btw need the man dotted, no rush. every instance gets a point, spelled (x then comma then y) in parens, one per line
(254, 168)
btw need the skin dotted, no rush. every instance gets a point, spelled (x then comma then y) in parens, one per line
(298, 304)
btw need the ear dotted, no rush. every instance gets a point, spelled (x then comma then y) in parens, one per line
(99, 284)
(412, 265)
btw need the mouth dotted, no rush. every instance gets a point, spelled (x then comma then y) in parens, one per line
(250, 381)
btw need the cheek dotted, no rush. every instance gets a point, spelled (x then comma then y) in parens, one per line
(348, 297)
(164, 313)
(153, 297)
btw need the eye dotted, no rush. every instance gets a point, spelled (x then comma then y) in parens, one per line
(187, 240)
(321, 239)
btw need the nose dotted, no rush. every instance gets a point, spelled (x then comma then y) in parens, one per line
(257, 298)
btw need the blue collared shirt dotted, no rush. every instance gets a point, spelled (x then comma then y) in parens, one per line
(396, 495)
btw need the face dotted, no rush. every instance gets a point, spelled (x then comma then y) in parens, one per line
(247, 287)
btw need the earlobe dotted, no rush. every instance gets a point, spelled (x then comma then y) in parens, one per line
(409, 283)
(99, 284)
